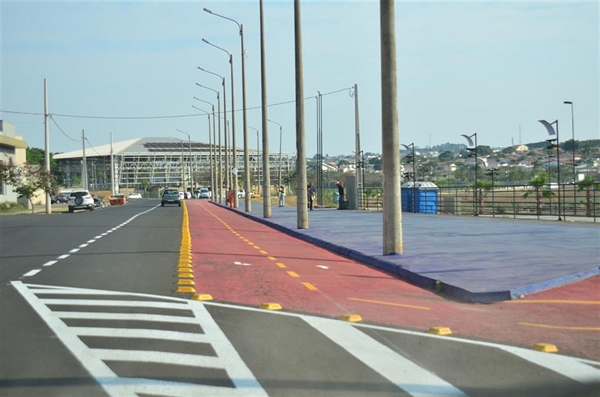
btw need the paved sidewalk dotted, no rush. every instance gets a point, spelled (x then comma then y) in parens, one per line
(475, 258)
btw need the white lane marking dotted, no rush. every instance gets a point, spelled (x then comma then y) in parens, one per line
(237, 369)
(63, 256)
(83, 245)
(91, 241)
(98, 370)
(50, 263)
(98, 236)
(323, 267)
(580, 369)
(226, 357)
(241, 264)
(126, 316)
(135, 333)
(32, 272)
(115, 303)
(148, 356)
(413, 379)
(74, 250)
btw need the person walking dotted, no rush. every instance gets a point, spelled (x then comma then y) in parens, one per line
(281, 196)
(341, 192)
(311, 195)
(230, 198)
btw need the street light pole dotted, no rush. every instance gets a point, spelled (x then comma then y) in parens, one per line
(280, 136)
(233, 143)
(227, 170)
(246, 149)
(210, 144)
(219, 175)
(473, 149)
(258, 182)
(573, 138)
(190, 159)
(552, 145)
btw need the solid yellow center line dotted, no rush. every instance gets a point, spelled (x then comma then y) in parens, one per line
(561, 327)
(390, 304)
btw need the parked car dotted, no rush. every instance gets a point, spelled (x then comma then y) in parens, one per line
(81, 199)
(171, 196)
(181, 195)
(241, 193)
(62, 197)
(204, 193)
(254, 195)
(134, 196)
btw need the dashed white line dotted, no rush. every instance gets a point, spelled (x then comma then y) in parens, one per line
(32, 272)
(49, 263)
(83, 245)
(63, 256)
(74, 250)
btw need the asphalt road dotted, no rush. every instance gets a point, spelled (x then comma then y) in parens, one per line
(88, 307)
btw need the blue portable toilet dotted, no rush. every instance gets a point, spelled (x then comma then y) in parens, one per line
(422, 197)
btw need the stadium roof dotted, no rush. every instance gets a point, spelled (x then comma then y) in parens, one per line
(138, 145)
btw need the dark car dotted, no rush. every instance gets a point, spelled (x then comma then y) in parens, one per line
(60, 198)
(170, 196)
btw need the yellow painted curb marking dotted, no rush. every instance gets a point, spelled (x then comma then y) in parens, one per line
(310, 286)
(561, 327)
(186, 282)
(545, 347)
(185, 266)
(270, 306)
(352, 318)
(390, 304)
(185, 275)
(440, 331)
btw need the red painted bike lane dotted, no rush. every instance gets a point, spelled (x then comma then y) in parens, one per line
(237, 260)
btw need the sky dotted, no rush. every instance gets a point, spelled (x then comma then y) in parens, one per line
(130, 68)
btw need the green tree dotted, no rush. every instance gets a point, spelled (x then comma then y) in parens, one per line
(540, 189)
(447, 156)
(587, 184)
(28, 179)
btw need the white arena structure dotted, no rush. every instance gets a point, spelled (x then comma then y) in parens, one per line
(149, 164)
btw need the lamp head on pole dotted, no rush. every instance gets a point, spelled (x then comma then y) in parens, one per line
(206, 41)
(207, 10)
(568, 102)
(548, 126)
(469, 140)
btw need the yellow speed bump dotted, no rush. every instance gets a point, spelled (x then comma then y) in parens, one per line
(186, 289)
(186, 282)
(352, 318)
(440, 331)
(187, 267)
(270, 306)
(185, 275)
(545, 347)
(202, 297)
(185, 260)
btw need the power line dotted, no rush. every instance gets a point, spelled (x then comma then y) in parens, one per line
(61, 130)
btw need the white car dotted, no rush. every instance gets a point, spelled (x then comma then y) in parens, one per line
(204, 193)
(135, 196)
(241, 193)
(181, 196)
(81, 199)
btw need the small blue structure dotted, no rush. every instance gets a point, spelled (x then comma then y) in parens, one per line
(421, 197)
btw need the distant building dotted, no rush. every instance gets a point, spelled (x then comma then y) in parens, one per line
(153, 163)
(12, 150)
(521, 148)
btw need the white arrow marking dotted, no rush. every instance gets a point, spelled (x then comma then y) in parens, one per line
(323, 266)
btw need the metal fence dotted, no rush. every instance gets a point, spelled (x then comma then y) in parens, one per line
(518, 200)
